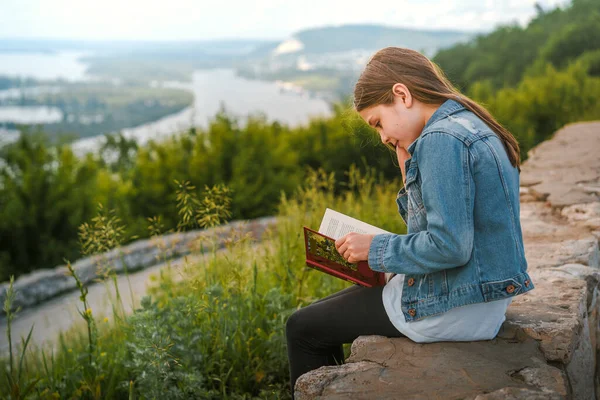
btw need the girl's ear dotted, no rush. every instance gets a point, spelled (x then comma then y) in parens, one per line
(400, 90)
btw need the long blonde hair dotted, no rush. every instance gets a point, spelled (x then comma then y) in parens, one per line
(426, 82)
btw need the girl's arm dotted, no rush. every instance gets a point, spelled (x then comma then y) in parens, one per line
(448, 191)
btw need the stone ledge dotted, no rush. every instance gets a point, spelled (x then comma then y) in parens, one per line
(548, 346)
(42, 285)
(398, 368)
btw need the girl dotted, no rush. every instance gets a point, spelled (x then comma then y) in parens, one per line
(462, 260)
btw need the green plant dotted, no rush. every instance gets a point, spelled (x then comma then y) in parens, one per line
(106, 233)
(18, 387)
(211, 211)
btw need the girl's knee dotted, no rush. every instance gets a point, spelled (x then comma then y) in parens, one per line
(292, 323)
(297, 325)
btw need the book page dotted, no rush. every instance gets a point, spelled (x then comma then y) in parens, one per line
(336, 225)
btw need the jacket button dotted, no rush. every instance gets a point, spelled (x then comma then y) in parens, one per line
(510, 288)
(412, 312)
(527, 283)
(411, 281)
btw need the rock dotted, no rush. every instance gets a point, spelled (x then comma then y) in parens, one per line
(398, 368)
(587, 214)
(513, 393)
(528, 195)
(43, 285)
(567, 174)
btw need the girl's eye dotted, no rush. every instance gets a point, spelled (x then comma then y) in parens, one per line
(377, 124)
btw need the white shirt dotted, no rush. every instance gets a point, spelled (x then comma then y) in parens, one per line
(479, 321)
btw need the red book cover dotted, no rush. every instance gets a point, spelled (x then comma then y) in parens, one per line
(322, 255)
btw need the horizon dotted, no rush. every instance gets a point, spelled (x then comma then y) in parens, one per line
(237, 38)
(271, 20)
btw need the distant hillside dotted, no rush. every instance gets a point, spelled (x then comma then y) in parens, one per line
(349, 37)
(327, 60)
(342, 38)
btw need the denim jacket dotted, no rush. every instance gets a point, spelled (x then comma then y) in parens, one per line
(460, 202)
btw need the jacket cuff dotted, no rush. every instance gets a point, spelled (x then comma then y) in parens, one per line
(377, 250)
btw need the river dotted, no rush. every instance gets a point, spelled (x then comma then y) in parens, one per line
(44, 65)
(212, 89)
(240, 97)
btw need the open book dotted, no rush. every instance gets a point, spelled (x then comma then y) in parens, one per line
(321, 253)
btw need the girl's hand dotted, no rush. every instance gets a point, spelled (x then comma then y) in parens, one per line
(354, 247)
(402, 155)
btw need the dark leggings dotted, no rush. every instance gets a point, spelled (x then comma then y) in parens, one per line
(315, 333)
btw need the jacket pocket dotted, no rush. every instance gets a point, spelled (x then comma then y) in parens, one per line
(501, 289)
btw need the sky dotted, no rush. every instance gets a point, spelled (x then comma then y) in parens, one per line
(243, 19)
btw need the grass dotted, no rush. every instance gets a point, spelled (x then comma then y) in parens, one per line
(211, 328)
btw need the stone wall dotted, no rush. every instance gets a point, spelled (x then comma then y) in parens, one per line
(548, 346)
(42, 285)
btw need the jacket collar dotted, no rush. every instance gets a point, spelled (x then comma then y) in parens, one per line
(448, 107)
